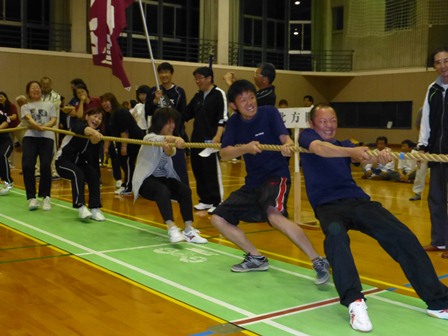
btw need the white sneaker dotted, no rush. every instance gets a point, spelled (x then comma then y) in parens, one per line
(97, 215)
(33, 205)
(122, 191)
(46, 203)
(441, 314)
(118, 184)
(118, 190)
(210, 211)
(203, 206)
(4, 189)
(174, 235)
(194, 237)
(359, 319)
(84, 213)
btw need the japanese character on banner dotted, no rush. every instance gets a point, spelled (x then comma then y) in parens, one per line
(107, 20)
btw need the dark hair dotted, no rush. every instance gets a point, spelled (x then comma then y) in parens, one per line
(96, 110)
(282, 102)
(165, 66)
(28, 85)
(77, 81)
(160, 117)
(410, 143)
(7, 104)
(81, 86)
(267, 70)
(142, 89)
(109, 96)
(204, 71)
(382, 138)
(318, 107)
(310, 98)
(434, 53)
(238, 87)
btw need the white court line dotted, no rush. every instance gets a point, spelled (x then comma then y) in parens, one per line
(163, 235)
(155, 277)
(396, 303)
(101, 254)
(133, 268)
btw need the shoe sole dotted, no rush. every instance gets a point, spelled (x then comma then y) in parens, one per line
(322, 281)
(195, 242)
(435, 316)
(177, 240)
(261, 269)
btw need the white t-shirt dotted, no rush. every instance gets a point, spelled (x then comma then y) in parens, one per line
(41, 112)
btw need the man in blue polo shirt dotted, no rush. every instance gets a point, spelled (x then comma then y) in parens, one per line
(265, 192)
(341, 205)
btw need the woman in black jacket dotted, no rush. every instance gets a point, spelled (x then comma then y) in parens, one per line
(121, 124)
(77, 161)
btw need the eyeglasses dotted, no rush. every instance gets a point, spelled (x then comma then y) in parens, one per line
(441, 62)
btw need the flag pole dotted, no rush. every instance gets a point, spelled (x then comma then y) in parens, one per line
(149, 45)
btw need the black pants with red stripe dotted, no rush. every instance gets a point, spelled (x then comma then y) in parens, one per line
(251, 205)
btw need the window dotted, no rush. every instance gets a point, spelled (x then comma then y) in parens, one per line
(10, 10)
(398, 114)
(173, 27)
(338, 18)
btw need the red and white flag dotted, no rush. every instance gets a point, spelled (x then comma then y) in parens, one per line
(107, 20)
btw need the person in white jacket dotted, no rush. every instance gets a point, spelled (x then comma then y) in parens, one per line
(381, 171)
(155, 178)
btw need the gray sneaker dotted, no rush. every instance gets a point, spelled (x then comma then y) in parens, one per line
(416, 197)
(322, 268)
(251, 264)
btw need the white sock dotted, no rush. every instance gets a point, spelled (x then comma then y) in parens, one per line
(170, 224)
(188, 226)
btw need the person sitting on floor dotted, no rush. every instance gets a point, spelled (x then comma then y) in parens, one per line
(380, 171)
(407, 168)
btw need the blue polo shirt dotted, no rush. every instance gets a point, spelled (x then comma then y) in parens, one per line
(327, 179)
(266, 127)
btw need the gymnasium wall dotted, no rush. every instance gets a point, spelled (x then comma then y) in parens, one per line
(18, 66)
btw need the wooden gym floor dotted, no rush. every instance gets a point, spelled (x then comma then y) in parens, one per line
(59, 276)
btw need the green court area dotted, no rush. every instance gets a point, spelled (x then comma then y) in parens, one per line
(281, 301)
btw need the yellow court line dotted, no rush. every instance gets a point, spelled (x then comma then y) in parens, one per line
(130, 281)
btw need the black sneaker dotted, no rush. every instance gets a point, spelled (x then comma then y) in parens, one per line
(322, 268)
(251, 264)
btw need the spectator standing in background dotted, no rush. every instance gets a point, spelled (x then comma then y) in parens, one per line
(209, 110)
(433, 138)
(263, 78)
(171, 95)
(308, 101)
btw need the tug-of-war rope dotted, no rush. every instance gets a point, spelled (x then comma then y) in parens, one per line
(277, 148)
